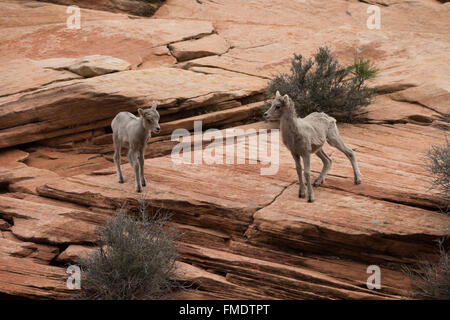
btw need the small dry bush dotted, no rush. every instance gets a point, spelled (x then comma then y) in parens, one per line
(431, 280)
(135, 260)
(438, 164)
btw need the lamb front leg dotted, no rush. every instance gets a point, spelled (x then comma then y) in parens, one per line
(306, 163)
(132, 157)
(141, 167)
(298, 166)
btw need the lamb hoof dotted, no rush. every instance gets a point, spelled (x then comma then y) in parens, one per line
(310, 200)
(358, 181)
(301, 195)
(317, 183)
(120, 180)
(144, 183)
(138, 190)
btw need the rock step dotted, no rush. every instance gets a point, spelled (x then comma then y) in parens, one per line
(135, 7)
(24, 278)
(232, 116)
(243, 269)
(347, 225)
(276, 279)
(98, 136)
(39, 253)
(31, 222)
(196, 200)
(231, 113)
(75, 106)
(214, 285)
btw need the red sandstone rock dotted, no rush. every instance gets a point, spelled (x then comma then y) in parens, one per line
(24, 278)
(192, 49)
(40, 32)
(97, 65)
(244, 235)
(9, 245)
(371, 217)
(73, 253)
(43, 223)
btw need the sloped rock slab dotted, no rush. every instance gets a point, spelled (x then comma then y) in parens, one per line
(44, 223)
(28, 75)
(384, 219)
(275, 279)
(344, 224)
(200, 195)
(41, 32)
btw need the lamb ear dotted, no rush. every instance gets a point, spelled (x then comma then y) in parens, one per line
(286, 99)
(154, 105)
(141, 112)
(278, 94)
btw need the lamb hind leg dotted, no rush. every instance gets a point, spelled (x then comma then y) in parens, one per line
(117, 150)
(306, 163)
(141, 167)
(326, 167)
(335, 140)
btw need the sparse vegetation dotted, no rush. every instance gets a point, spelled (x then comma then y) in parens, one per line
(431, 280)
(438, 165)
(321, 84)
(152, 8)
(135, 260)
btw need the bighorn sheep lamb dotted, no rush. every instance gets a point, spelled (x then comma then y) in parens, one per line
(304, 136)
(133, 132)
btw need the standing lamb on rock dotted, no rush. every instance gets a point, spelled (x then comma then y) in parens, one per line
(133, 132)
(304, 136)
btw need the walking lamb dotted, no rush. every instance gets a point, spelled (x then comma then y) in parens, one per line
(133, 132)
(304, 136)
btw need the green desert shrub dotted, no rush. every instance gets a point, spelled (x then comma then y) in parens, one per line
(135, 260)
(321, 84)
(438, 165)
(431, 280)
